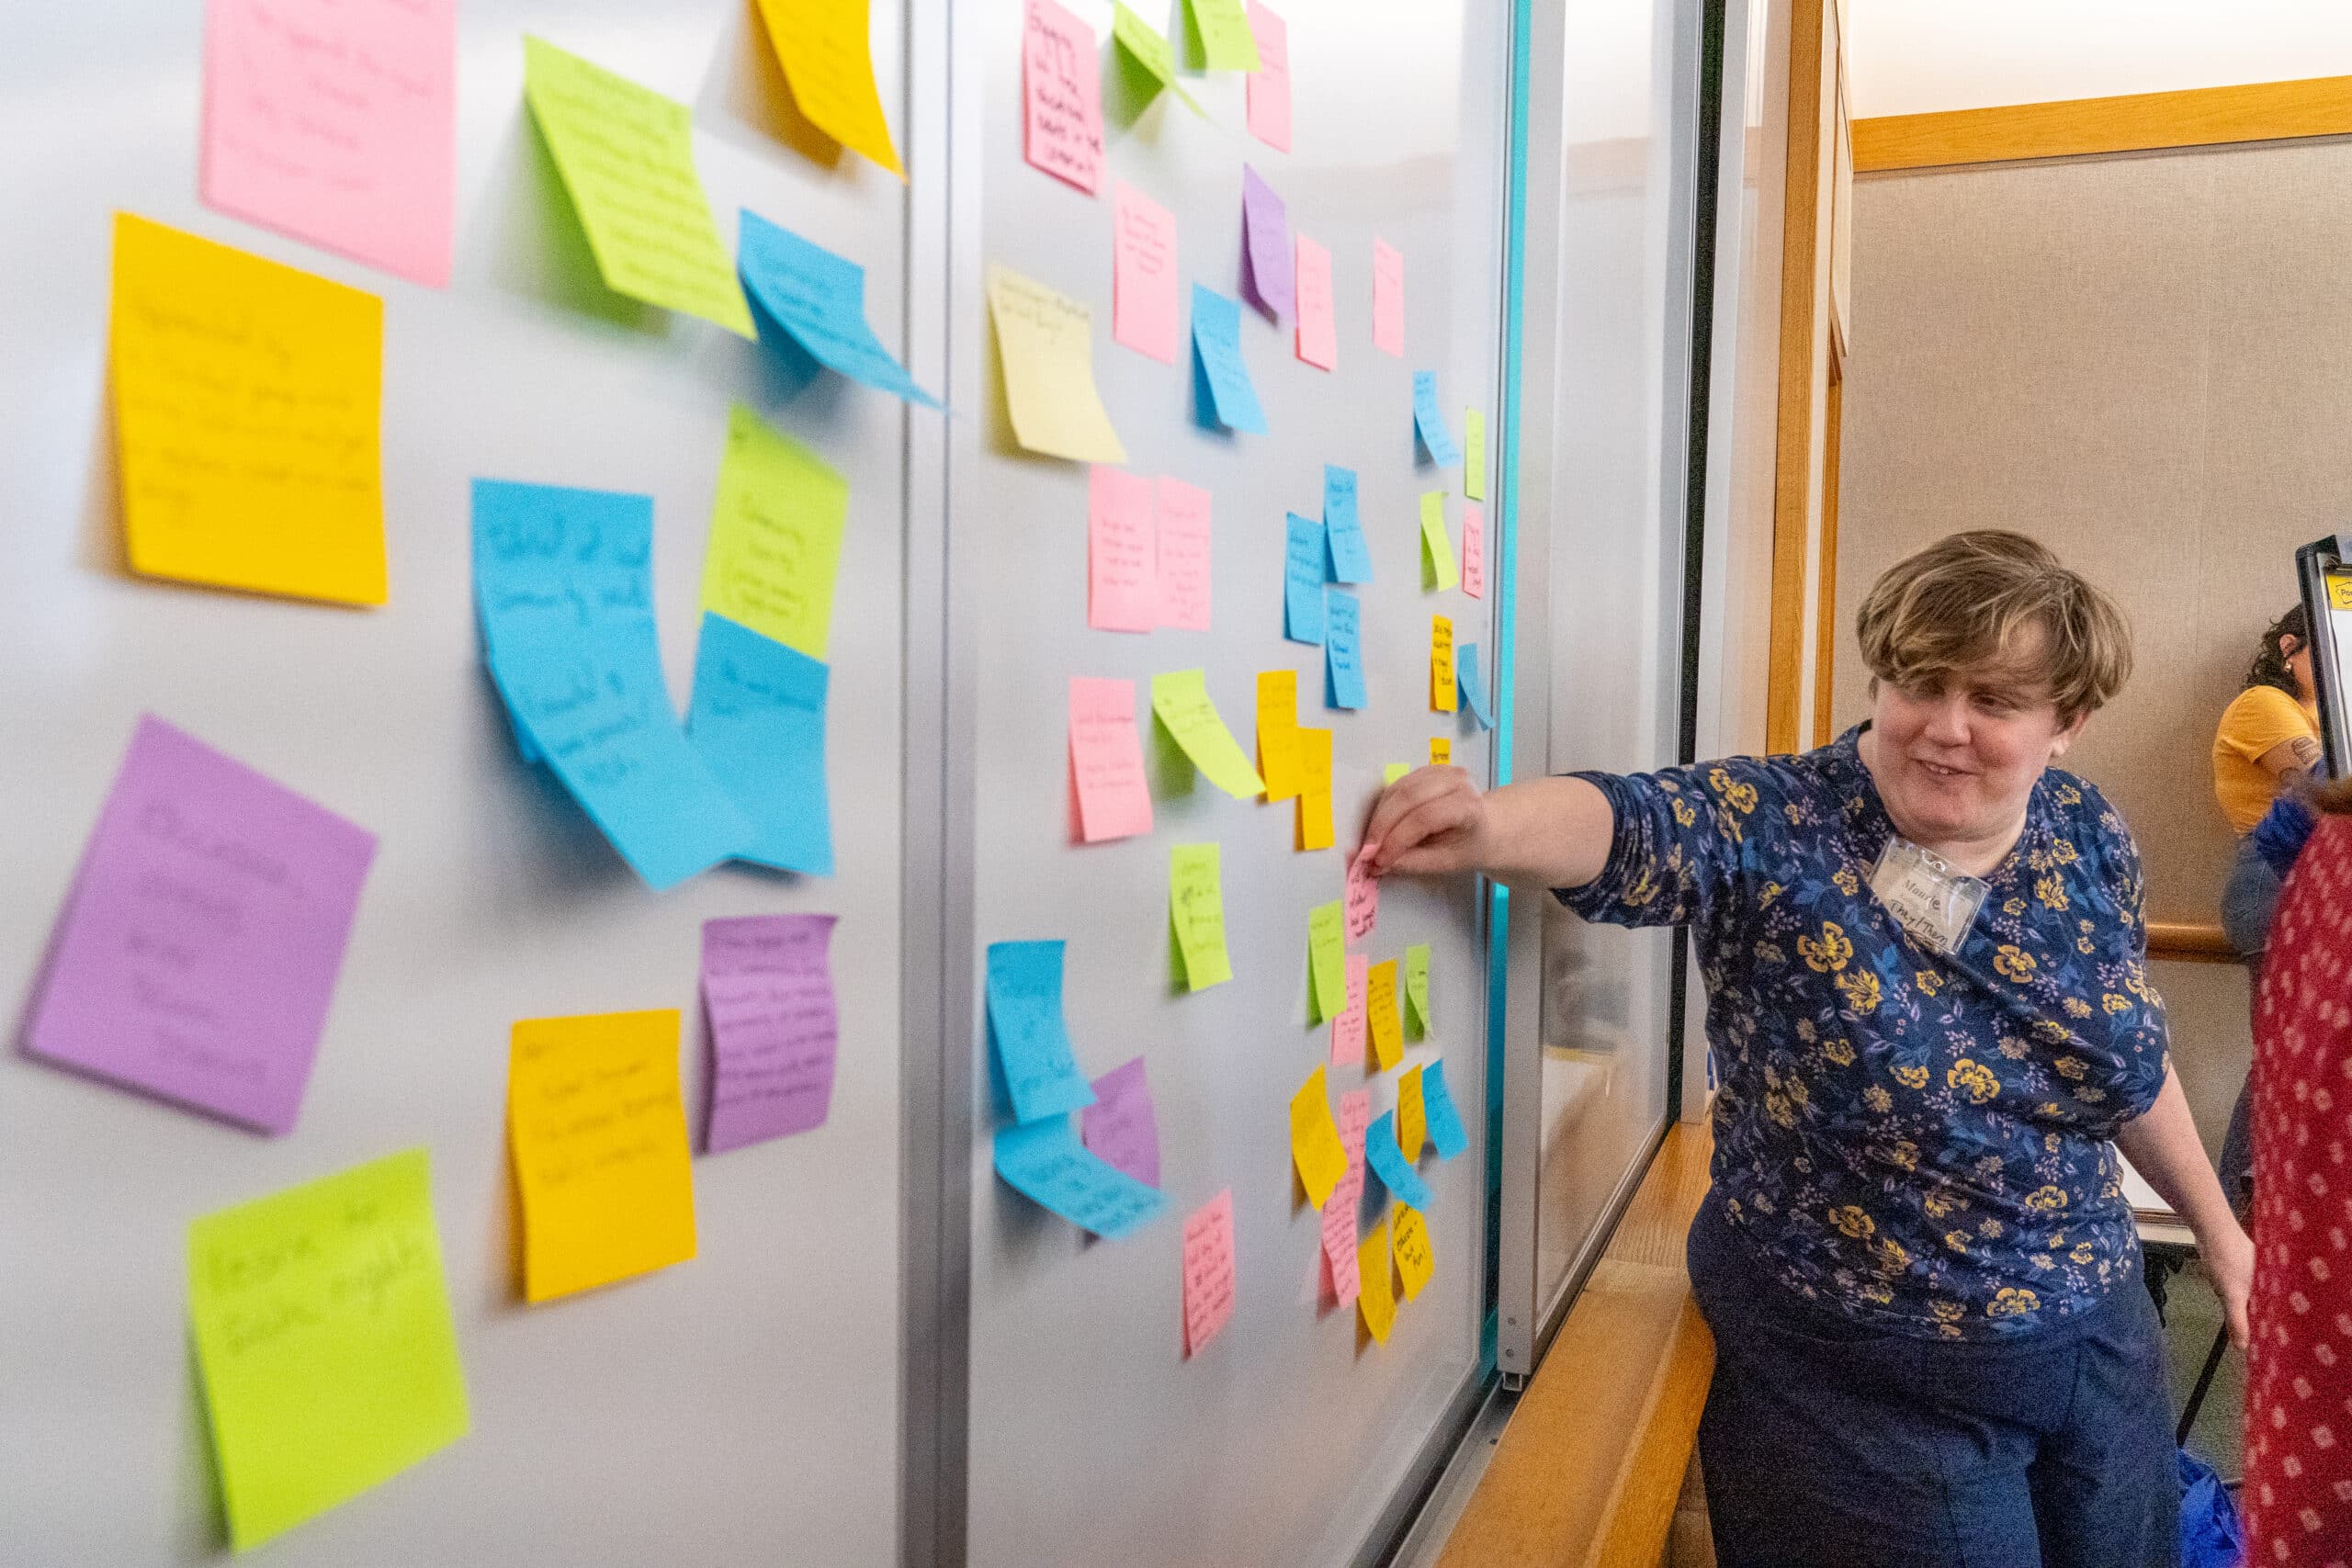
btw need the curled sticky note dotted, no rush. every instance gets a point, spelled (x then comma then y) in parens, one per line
(1415, 1262)
(821, 44)
(1437, 550)
(1181, 700)
(1196, 907)
(1314, 1146)
(1412, 1115)
(1417, 988)
(1429, 420)
(1327, 949)
(1046, 343)
(1375, 1292)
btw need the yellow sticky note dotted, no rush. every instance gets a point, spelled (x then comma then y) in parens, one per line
(776, 536)
(1375, 1295)
(1380, 1006)
(247, 402)
(1412, 1116)
(1327, 958)
(1222, 29)
(1441, 663)
(1391, 772)
(1182, 701)
(1046, 343)
(1415, 1262)
(1315, 827)
(1278, 748)
(2339, 591)
(829, 64)
(322, 1331)
(1437, 550)
(1473, 449)
(1314, 1142)
(599, 1137)
(1440, 750)
(1196, 906)
(626, 155)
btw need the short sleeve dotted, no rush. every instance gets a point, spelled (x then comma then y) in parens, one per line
(1680, 838)
(2259, 719)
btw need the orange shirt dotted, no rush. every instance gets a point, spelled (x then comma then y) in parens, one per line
(2260, 719)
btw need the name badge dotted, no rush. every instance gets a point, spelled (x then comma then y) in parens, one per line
(1927, 899)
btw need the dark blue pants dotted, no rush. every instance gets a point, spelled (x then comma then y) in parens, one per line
(1828, 1445)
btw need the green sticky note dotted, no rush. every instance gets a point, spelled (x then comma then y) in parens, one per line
(1222, 29)
(1196, 907)
(776, 536)
(627, 156)
(1437, 550)
(1474, 464)
(1417, 988)
(322, 1333)
(1181, 699)
(1327, 958)
(1395, 771)
(1148, 50)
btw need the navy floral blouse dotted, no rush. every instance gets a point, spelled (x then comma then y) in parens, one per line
(1916, 1141)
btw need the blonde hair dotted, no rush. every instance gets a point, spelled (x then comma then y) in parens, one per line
(1968, 600)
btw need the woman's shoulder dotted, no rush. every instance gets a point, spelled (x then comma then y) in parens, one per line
(2081, 812)
(2262, 706)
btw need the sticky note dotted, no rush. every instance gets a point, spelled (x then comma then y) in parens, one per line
(1346, 1029)
(1230, 398)
(1418, 1016)
(1046, 343)
(1186, 586)
(1374, 1296)
(1144, 310)
(1318, 338)
(1044, 1162)
(1306, 565)
(1181, 700)
(1474, 462)
(246, 406)
(1445, 1123)
(767, 991)
(1342, 652)
(1412, 1115)
(1222, 29)
(1208, 1272)
(198, 950)
(336, 124)
(1339, 1211)
(1380, 1014)
(1437, 550)
(1196, 908)
(1351, 557)
(1440, 750)
(1269, 277)
(1391, 771)
(1122, 574)
(1315, 1144)
(1474, 690)
(776, 536)
(1327, 957)
(1120, 1127)
(598, 1133)
(1106, 758)
(1362, 898)
(1061, 88)
(1429, 420)
(821, 44)
(320, 1317)
(1440, 664)
(1279, 763)
(1149, 50)
(1388, 1164)
(1414, 1261)
(1270, 84)
(1474, 549)
(625, 155)
(819, 299)
(1387, 298)
(1033, 1049)
(757, 723)
(1314, 789)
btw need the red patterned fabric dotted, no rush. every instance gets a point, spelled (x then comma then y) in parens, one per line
(2298, 1493)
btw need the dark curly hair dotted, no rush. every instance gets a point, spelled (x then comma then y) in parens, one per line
(2269, 667)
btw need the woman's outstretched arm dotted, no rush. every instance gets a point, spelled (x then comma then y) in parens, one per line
(1550, 832)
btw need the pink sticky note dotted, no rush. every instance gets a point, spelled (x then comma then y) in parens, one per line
(1318, 327)
(1106, 758)
(1184, 559)
(1121, 1126)
(1270, 84)
(337, 124)
(1061, 81)
(1362, 897)
(1122, 574)
(1339, 1209)
(1347, 1029)
(200, 945)
(1474, 549)
(1387, 298)
(1143, 275)
(767, 989)
(1208, 1272)
(1269, 277)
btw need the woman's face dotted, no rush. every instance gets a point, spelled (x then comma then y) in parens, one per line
(2299, 661)
(1956, 759)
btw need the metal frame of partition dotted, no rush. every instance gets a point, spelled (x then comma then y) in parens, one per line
(2320, 566)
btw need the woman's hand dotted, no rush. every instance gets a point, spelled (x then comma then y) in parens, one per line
(1551, 832)
(2229, 1260)
(1428, 823)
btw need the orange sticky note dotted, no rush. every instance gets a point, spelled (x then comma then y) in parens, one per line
(1440, 664)
(827, 63)
(1279, 759)
(1347, 1029)
(1375, 1294)
(1380, 1007)
(1314, 830)
(1143, 275)
(1208, 1272)
(1412, 1116)
(1414, 1261)
(1318, 326)
(1315, 1144)
(1106, 759)
(1440, 751)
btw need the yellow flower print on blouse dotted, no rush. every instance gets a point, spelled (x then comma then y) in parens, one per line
(1928, 982)
(1912, 1075)
(2046, 1200)
(2070, 1066)
(1770, 953)
(1830, 953)
(1839, 1052)
(2012, 1047)
(1957, 1241)
(2114, 1003)
(1878, 1100)
(1741, 796)
(2076, 1008)
(1850, 1221)
(1905, 1152)
(1892, 1257)
(2050, 891)
(1861, 988)
(2014, 962)
(2013, 908)
(2069, 796)
(1973, 1079)
(2012, 1302)
(2063, 851)
(1683, 814)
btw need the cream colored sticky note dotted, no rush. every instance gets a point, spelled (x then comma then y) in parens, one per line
(1442, 697)
(1046, 343)
(1417, 988)
(1390, 773)
(1375, 1292)
(247, 401)
(1315, 1144)
(1474, 460)
(1412, 1115)
(1314, 825)
(1440, 751)
(1415, 1262)
(1182, 701)
(627, 156)
(776, 536)
(1278, 751)
(1327, 957)
(598, 1133)
(829, 64)
(1437, 550)
(1196, 907)
(1380, 1010)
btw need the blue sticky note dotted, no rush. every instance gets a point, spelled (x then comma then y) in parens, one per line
(1342, 651)
(1303, 582)
(1389, 1164)
(819, 299)
(1473, 689)
(555, 562)
(757, 720)
(1429, 420)
(1437, 1106)
(1044, 1162)
(1351, 557)
(1216, 350)
(1032, 1047)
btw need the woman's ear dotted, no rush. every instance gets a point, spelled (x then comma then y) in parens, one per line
(2065, 739)
(2290, 645)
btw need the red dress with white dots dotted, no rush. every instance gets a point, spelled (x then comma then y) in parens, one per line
(2298, 1493)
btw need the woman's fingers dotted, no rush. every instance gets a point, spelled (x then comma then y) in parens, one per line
(1400, 797)
(1430, 837)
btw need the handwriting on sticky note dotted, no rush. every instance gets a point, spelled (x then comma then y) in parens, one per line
(1183, 556)
(1121, 1127)
(1208, 1272)
(1445, 1121)
(1270, 84)
(1061, 83)
(1222, 28)
(1380, 1011)
(1269, 275)
(1440, 664)
(819, 299)
(1032, 1048)
(1417, 988)
(1181, 700)
(1388, 1162)
(1196, 905)
(1315, 827)
(1474, 549)
(1046, 343)
(756, 721)
(830, 67)
(1375, 1294)
(1278, 757)
(1327, 949)
(1429, 420)
(246, 398)
(1362, 898)
(1150, 52)
(1044, 1162)
(1339, 1211)
(320, 1317)
(1440, 751)
(1314, 1142)
(1474, 461)
(1143, 313)
(1306, 566)
(1473, 687)
(776, 536)
(1318, 339)
(767, 987)
(1387, 298)
(1437, 550)
(1414, 1261)
(1106, 756)
(1412, 1115)
(1347, 1029)
(1216, 351)
(599, 1137)
(1342, 652)
(1122, 576)
(1343, 522)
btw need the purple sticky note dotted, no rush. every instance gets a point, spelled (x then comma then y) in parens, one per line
(767, 986)
(1269, 277)
(1120, 1128)
(201, 945)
